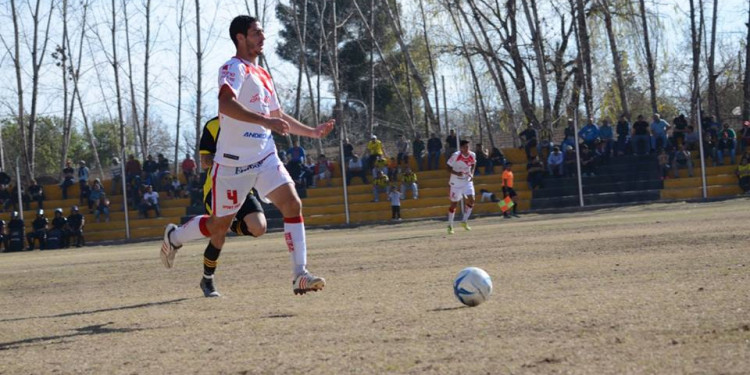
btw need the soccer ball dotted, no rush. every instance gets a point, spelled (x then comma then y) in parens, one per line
(472, 286)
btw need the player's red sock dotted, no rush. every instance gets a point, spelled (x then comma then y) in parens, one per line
(194, 229)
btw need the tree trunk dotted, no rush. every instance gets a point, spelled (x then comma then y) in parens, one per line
(621, 89)
(583, 39)
(432, 73)
(713, 97)
(118, 92)
(371, 114)
(562, 75)
(199, 84)
(519, 78)
(62, 50)
(746, 81)
(19, 88)
(338, 112)
(76, 75)
(180, 26)
(89, 134)
(650, 64)
(695, 38)
(536, 36)
(146, 56)
(131, 80)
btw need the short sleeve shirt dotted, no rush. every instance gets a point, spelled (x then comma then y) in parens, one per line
(461, 163)
(508, 178)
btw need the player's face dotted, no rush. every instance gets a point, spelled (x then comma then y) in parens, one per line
(465, 149)
(254, 39)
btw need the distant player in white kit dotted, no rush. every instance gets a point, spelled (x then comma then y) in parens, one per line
(461, 165)
(246, 158)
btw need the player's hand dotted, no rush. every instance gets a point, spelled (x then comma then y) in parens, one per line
(323, 129)
(278, 125)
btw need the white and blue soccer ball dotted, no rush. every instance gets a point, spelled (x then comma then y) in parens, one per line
(472, 286)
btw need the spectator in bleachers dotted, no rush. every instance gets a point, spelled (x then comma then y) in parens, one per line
(725, 146)
(418, 148)
(659, 130)
(395, 197)
(409, 182)
(150, 170)
(402, 149)
(36, 193)
(544, 146)
(497, 157)
(744, 136)
(589, 133)
(175, 188)
(348, 150)
(379, 185)
(355, 169)
(569, 136)
(374, 150)
(528, 139)
(607, 137)
(164, 171)
(68, 175)
(623, 136)
(102, 208)
(680, 124)
(535, 173)
(381, 165)
(282, 157)
(709, 146)
(434, 146)
(691, 139)
(115, 170)
(393, 169)
(323, 171)
(682, 159)
(483, 159)
(641, 137)
(195, 187)
(16, 232)
(570, 161)
(76, 221)
(555, 162)
(451, 143)
(712, 126)
(487, 196)
(14, 198)
(57, 236)
(663, 159)
(134, 191)
(308, 171)
(132, 168)
(743, 175)
(188, 167)
(83, 177)
(85, 193)
(588, 162)
(296, 154)
(95, 194)
(38, 231)
(150, 202)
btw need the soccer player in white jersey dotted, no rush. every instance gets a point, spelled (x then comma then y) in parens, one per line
(461, 165)
(246, 158)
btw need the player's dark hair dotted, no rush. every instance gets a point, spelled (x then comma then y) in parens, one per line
(240, 25)
(464, 142)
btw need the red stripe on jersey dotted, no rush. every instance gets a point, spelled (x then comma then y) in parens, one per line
(213, 189)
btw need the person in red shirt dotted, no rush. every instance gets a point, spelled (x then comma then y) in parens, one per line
(188, 167)
(508, 189)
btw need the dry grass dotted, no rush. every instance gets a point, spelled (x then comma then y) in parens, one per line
(662, 288)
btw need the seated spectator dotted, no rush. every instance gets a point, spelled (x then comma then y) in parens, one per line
(76, 221)
(709, 147)
(379, 185)
(150, 202)
(116, 171)
(174, 187)
(163, 167)
(487, 196)
(102, 209)
(16, 232)
(348, 150)
(68, 175)
(134, 191)
(623, 136)
(682, 159)
(196, 190)
(569, 136)
(588, 162)
(95, 194)
(528, 139)
(483, 159)
(381, 165)
(409, 182)
(14, 198)
(402, 148)
(418, 148)
(355, 169)
(434, 148)
(85, 194)
(57, 236)
(725, 146)
(744, 136)
(691, 139)
(308, 171)
(83, 179)
(663, 159)
(680, 129)
(323, 169)
(600, 152)
(743, 175)
(555, 162)
(497, 157)
(38, 231)
(36, 193)
(5, 201)
(589, 133)
(659, 129)
(132, 169)
(535, 170)
(188, 167)
(570, 161)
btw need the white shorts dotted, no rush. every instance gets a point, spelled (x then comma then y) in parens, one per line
(232, 184)
(459, 190)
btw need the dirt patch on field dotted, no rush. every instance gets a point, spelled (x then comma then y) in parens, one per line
(661, 288)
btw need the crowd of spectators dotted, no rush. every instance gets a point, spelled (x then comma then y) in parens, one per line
(64, 231)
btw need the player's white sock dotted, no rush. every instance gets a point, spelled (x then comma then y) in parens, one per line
(451, 214)
(467, 212)
(294, 233)
(194, 229)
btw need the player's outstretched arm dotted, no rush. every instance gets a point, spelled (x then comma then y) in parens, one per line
(298, 128)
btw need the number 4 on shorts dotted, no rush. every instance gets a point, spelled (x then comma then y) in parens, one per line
(232, 196)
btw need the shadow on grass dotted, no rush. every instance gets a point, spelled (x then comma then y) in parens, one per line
(439, 309)
(88, 312)
(97, 329)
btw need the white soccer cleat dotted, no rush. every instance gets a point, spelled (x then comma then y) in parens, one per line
(307, 282)
(168, 250)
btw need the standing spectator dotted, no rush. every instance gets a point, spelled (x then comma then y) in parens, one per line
(451, 143)
(544, 146)
(402, 147)
(535, 173)
(36, 193)
(555, 162)
(76, 221)
(16, 232)
(38, 231)
(623, 135)
(691, 139)
(417, 147)
(680, 128)
(712, 126)
(682, 159)
(96, 193)
(569, 136)
(188, 167)
(664, 166)
(483, 159)
(308, 171)
(588, 162)
(132, 168)
(641, 137)
(116, 171)
(323, 170)
(68, 173)
(150, 202)
(374, 149)
(528, 139)
(743, 175)
(296, 154)
(607, 137)
(724, 146)
(659, 129)
(355, 169)
(348, 150)
(434, 146)
(57, 236)
(393, 169)
(83, 175)
(150, 169)
(507, 183)
(395, 197)
(589, 133)
(409, 182)
(379, 185)
(134, 191)
(744, 136)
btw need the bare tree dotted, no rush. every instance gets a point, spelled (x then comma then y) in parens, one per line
(146, 56)
(16, 55)
(180, 27)
(746, 81)
(713, 97)
(199, 80)
(541, 61)
(585, 48)
(621, 89)
(695, 38)
(432, 71)
(61, 54)
(131, 81)
(650, 64)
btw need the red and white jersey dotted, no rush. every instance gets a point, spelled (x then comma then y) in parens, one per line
(243, 143)
(462, 163)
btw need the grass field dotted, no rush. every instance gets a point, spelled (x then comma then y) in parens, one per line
(658, 289)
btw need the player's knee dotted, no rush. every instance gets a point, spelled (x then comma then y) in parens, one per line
(291, 208)
(254, 225)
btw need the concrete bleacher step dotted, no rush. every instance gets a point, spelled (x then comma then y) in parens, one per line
(626, 197)
(550, 190)
(713, 191)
